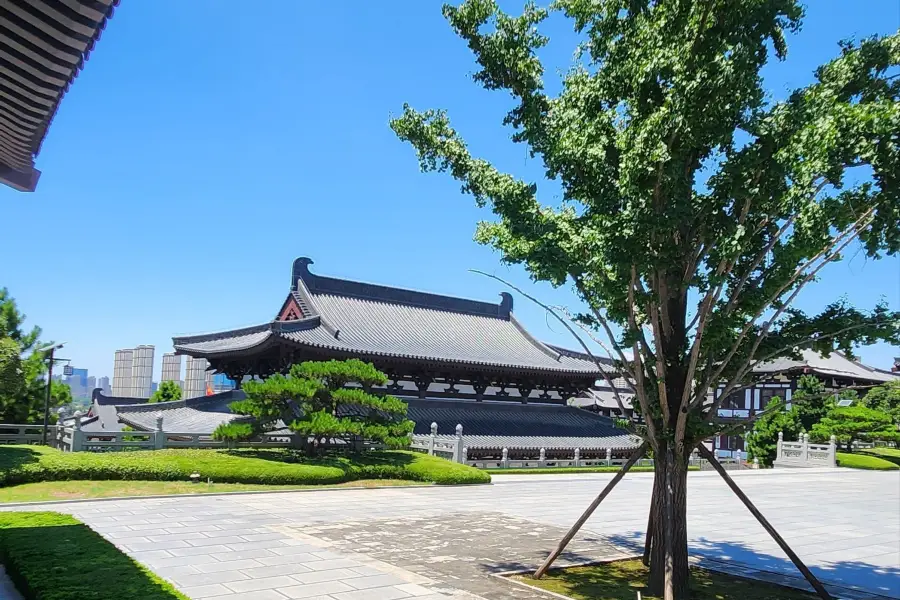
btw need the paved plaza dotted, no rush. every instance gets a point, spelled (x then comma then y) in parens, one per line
(432, 542)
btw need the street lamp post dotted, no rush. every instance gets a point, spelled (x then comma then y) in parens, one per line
(52, 349)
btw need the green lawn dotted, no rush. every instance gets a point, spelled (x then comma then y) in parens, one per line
(865, 461)
(32, 464)
(891, 454)
(622, 580)
(72, 490)
(50, 556)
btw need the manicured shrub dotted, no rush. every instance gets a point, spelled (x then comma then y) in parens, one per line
(29, 464)
(50, 556)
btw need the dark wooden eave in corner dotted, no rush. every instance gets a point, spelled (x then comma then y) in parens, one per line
(43, 46)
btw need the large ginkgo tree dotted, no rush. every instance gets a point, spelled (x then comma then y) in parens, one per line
(694, 209)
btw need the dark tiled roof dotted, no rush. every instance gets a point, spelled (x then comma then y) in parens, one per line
(43, 46)
(485, 424)
(194, 415)
(372, 320)
(509, 425)
(835, 365)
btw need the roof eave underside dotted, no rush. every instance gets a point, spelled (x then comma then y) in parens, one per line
(242, 347)
(43, 46)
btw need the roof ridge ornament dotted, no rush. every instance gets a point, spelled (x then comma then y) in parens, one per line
(506, 305)
(300, 270)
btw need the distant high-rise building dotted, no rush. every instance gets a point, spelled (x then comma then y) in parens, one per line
(221, 383)
(142, 372)
(103, 384)
(171, 368)
(78, 383)
(91, 384)
(78, 377)
(195, 377)
(121, 383)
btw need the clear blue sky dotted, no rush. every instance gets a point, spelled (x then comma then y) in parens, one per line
(207, 145)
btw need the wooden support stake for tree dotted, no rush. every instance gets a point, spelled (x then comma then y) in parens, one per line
(648, 539)
(590, 510)
(820, 589)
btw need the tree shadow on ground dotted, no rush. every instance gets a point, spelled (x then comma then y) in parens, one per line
(734, 557)
(12, 457)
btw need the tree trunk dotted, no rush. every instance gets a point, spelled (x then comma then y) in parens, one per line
(669, 573)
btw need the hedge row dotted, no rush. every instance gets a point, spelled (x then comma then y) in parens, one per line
(50, 556)
(30, 464)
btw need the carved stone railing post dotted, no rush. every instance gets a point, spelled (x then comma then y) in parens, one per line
(457, 449)
(504, 458)
(431, 440)
(832, 452)
(159, 438)
(779, 451)
(465, 456)
(804, 439)
(77, 435)
(609, 457)
(542, 457)
(577, 457)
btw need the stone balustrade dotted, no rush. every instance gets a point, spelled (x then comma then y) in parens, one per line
(802, 454)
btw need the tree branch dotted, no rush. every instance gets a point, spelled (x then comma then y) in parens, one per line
(831, 249)
(850, 236)
(587, 350)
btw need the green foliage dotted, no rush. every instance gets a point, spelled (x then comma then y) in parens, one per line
(30, 464)
(50, 556)
(850, 423)
(865, 461)
(682, 181)
(762, 441)
(315, 401)
(166, 392)
(811, 402)
(23, 387)
(234, 432)
(11, 381)
(693, 210)
(885, 398)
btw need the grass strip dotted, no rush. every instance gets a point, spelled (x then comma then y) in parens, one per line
(865, 461)
(53, 491)
(621, 580)
(50, 556)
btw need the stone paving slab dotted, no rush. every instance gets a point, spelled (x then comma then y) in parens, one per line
(845, 524)
(462, 550)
